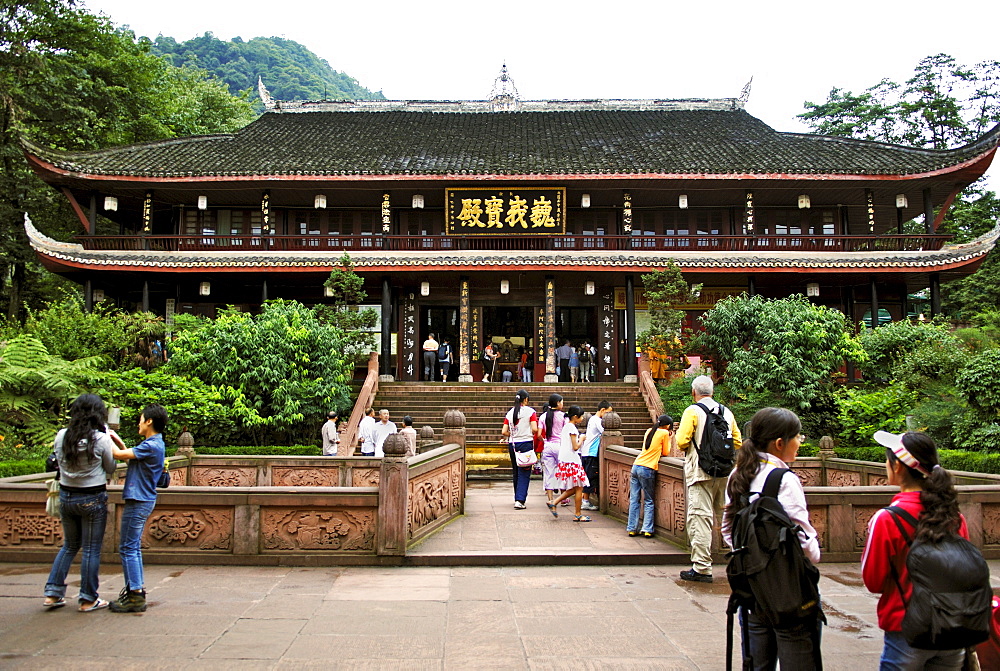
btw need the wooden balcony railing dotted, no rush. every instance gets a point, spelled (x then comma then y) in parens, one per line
(576, 243)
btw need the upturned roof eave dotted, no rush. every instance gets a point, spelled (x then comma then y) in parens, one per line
(72, 256)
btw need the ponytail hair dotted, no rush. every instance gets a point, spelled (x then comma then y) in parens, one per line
(550, 415)
(87, 416)
(767, 425)
(519, 398)
(940, 517)
(661, 421)
(574, 411)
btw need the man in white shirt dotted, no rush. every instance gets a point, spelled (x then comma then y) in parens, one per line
(430, 348)
(590, 452)
(365, 434)
(331, 439)
(382, 430)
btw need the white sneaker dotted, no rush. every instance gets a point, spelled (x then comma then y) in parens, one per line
(588, 506)
(519, 506)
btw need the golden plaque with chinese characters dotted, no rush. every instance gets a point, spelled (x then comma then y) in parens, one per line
(522, 211)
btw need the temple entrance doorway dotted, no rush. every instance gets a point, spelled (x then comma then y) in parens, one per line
(513, 330)
(443, 323)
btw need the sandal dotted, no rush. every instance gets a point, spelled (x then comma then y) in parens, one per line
(58, 603)
(97, 605)
(552, 509)
(581, 518)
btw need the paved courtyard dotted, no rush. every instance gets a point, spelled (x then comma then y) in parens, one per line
(420, 617)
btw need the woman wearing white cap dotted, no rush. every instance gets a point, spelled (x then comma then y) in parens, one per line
(927, 493)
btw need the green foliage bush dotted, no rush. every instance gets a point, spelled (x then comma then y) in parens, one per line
(13, 468)
(289, 366)
(788, 347)
(979, 382)
(886, 345)
(862, 412)
(274, 450)
(211, 414)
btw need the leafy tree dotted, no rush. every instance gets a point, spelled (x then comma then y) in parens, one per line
(288, 364)
(944, 104)
(69, 80)
(788, 347)
(347, 292)
(665, 289)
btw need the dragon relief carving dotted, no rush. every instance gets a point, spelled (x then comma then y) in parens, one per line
(430, 498)
(364, 477)
(211, 529)
(29, 527)
(842, 478)
(294, 529)
(304, 477)
(224, 477)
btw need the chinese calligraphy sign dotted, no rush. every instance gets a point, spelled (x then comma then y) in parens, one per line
(527, 210)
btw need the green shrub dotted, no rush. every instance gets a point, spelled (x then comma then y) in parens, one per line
(887, 345)
(979, 382)
(862, 412)
(274, 450)
(863, 453)
(10, 469)
(676, 396)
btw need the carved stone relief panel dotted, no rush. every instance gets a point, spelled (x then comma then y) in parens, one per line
(188, 529)
(432, 496)
(818, 518)
(299, 476)
(364, 477)
(224, 476)
(664, 502)
(25, 525)
(614, 485)
(809, 477)
(178, 477)
(991, 523)
(877, 480)
(294, 529)
(842, 478)
(862, 514)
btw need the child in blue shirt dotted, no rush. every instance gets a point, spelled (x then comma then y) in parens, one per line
(145, 465)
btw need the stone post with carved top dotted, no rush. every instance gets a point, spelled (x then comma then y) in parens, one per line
(454, 428)
(393, 494)
(612, 435)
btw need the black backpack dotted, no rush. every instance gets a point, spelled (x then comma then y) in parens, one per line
(716, 453)
(768, 572)
(951, 602)
(584, 355)
(443, 352)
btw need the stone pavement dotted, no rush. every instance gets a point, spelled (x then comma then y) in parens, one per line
(417, 617)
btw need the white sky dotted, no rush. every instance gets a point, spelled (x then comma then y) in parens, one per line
(555, 49)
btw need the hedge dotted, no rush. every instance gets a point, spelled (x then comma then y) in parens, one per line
(953, 460)
(267, 450)
(15, 467)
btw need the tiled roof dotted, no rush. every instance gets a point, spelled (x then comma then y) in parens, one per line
(947, 256)
(593, 138)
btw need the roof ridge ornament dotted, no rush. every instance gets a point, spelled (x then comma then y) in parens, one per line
(265, 95)
(745, 94)
(504, 96)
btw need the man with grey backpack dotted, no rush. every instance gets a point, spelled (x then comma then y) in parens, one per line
(709, 436)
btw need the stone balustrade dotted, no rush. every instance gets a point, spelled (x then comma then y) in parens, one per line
(267, 509)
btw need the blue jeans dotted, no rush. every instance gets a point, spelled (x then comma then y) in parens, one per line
(643, 481)
(795, 648)
(84, 517)
(130, 545)
(522, 476)
(897, 655)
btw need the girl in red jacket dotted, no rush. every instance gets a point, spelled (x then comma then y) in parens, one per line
(926, 491)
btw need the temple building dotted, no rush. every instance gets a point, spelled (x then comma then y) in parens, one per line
(527, 221)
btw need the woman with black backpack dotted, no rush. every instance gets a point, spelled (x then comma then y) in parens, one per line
(772, 442)
(926, 496)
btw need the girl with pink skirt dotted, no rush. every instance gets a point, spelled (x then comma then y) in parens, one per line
(550, 426)
(569, 474)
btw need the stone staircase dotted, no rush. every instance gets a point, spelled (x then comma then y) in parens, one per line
(485, 404)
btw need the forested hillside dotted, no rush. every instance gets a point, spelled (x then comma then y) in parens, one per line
(289, 70)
